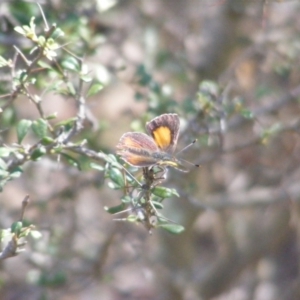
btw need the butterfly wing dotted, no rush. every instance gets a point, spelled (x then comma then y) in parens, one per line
(165, 130)
(136, 149)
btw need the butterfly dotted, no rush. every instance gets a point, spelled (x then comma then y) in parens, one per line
(142, 150)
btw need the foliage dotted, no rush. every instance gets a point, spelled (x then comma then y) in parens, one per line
(238, 103)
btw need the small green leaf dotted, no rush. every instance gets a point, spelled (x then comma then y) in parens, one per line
(16, 173)
(4, 62)
(94, 89)
(47, 140)
(4, 152)
(57, 33)
(41, 41)
(3, 165)
(97, 167)
(23, 76)
(4, 174)
(157, 205)
(44, 65)
(52, 116)
(111, 159)
(126, 199)
(71, 64)
(113, 186)
(16, 227)
(40, 128)
(116, 176)
(22, 129)
(115, 209)
(164, 192)
(5, 233)
(86, 78)
(172, 228)
(38, 153)
(133, 218)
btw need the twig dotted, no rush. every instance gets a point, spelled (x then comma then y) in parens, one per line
(28, 70)
(25, 203)
(13, 246)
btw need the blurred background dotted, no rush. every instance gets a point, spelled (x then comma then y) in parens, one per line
(231, 70)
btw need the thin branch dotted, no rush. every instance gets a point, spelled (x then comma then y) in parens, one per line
(13, 246)
(28, 70)
(25, 203)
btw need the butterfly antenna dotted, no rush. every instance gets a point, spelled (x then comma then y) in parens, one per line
(190, 163)
(188, 146)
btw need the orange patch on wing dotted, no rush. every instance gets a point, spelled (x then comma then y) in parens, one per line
(162, 136)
